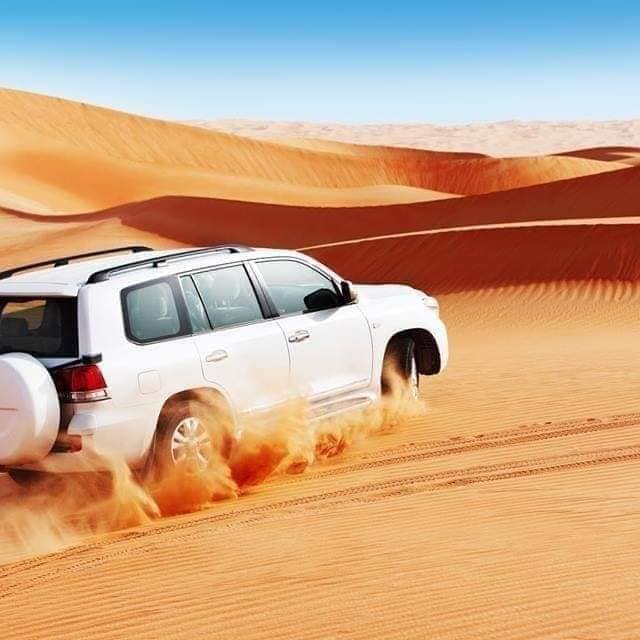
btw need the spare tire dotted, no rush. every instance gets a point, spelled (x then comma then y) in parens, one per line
(29, 410)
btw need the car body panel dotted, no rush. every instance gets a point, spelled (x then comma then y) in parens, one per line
(334, 354)
(250, 363)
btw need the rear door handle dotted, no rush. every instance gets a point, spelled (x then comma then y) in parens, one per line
(216, 356)
(299, 336)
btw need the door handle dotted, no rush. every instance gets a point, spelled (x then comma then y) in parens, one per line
(299, 336)
(216, 356)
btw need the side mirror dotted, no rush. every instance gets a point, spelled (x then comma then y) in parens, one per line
(321, 299)
(349, 294)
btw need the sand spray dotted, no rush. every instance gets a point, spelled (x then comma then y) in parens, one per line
(64, 511)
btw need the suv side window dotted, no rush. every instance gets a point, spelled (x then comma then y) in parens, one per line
(298, 288)
(228, 296)
(151, 312)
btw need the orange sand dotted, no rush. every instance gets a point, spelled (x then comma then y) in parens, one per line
(507, 511)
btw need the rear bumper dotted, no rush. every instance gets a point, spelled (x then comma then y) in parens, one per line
(109, 435)
(87, 460)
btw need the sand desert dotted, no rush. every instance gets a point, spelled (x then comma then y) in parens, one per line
(612, 139)
(508, 509)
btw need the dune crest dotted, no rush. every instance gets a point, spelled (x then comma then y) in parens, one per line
(191, 220)
(619, 155)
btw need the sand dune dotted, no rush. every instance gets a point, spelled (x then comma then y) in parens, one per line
(58, 180)
(507, 510)
(203, 220)
(476, 259)
(71, 157)
(75, 157)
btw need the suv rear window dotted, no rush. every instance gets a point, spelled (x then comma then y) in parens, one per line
(41, 327)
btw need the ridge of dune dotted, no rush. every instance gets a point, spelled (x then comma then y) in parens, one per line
(369, 150)
(569, 222)
(44, 179)
(71, 157)
(384, 242)
(193, 220)
(620, 155)
(476, 259)
(73, 154)
(476, 176)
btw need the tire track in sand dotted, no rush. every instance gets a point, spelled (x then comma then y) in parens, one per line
(365, 493)
(524, 434)
(81, 557)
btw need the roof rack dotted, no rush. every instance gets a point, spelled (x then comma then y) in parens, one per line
(158, 261)
(61, 262)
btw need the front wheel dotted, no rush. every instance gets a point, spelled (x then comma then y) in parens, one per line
(400, 373)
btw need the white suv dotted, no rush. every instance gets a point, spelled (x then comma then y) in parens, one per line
(111, 354)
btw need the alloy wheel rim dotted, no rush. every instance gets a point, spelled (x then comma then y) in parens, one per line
(191, 444)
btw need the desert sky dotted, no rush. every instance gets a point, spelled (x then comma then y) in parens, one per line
(508, 509)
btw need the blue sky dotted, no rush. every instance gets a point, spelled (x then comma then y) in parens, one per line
(395, 61)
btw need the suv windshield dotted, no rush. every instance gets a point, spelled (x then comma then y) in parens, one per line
(41, 327)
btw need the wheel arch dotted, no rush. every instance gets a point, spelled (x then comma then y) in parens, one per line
(427, 351)
(208, 396)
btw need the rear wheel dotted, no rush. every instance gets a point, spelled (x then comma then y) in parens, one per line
(191, 435)
(400, 368)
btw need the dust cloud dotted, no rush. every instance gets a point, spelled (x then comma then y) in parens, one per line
(60, 512)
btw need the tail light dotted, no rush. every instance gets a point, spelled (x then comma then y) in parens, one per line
(81, 384)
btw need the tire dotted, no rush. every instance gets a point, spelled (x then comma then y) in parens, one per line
(400, 369)
(191, 433)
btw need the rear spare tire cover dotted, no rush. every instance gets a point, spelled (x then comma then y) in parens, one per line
(29, 410)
